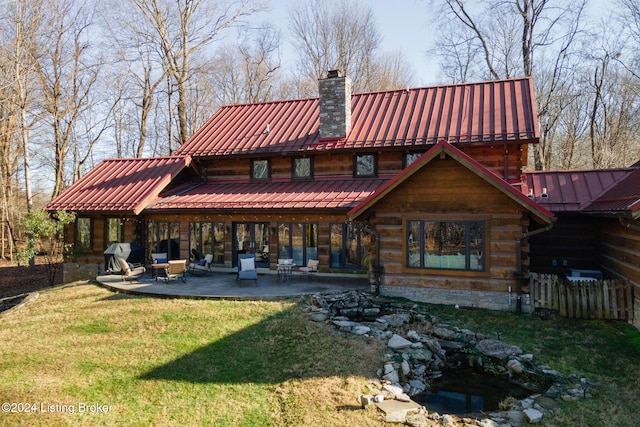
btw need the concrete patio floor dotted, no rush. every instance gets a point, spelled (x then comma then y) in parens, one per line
(223, 285)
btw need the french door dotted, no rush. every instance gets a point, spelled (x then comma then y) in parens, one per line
(251, 238)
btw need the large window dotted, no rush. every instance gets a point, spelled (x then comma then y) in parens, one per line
(206, 238)
(164, 237)
(364, 165)
(113, 231)
(260, 169)
(450, 245)
(349, 246)
(83, 234)
(298, 241)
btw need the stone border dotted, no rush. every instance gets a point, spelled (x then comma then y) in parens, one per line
(422, 348)
(27, 300)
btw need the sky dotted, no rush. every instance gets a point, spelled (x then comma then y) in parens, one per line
(403, 24)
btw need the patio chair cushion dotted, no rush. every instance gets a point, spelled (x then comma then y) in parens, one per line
(125, 267)
(129, 270)
(159, 257)
(248, 264)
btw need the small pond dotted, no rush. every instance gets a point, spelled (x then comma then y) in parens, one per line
(463, 391)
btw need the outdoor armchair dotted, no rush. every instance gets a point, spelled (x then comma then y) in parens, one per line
(247, 268)
(311, 268)
(131, 271)
(177, 269)
(202, 267)
(159, 257)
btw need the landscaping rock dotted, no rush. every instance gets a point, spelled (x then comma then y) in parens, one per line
(445, 334)
(409, 369)
(396, 320)
(397, 342)
(360, 330)
(319, 316)
(533, 415)
(514, 367)
(396, 411)
(497, 349)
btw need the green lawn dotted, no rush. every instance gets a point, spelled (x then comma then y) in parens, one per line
(145, 361)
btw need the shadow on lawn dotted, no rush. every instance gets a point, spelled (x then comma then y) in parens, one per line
(279, 348)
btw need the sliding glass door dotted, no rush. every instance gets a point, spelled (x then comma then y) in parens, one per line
(251, 238)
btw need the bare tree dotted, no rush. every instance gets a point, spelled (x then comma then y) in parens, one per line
(68, 70)
(24, 20)
(182, 28)
(515, 38)
(341, 35)
(247, 71)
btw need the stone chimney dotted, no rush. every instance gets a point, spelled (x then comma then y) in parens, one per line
(335, 105)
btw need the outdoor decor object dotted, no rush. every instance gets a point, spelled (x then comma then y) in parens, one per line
(176, 269)
(130, 271)
(202, 267)
(247, 268)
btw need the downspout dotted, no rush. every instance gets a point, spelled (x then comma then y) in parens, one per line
(626, 224)
(519, 273)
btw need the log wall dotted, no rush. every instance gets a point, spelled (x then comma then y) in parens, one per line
(447, 190)
(504, 162)
(620, 251)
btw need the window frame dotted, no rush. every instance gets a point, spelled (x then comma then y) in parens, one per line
(309, 231)
(356, 162)
(349, 233)
(254, 169)
(467, 270)
(297, 177)
(197, 236)
(76, 240)
(405, 160)
(107, 222)
(154, 229)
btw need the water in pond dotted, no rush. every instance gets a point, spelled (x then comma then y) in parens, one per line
(464, 392)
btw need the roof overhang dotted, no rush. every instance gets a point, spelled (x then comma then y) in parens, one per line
(124, 186)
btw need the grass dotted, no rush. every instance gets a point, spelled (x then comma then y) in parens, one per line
(184, 362)
(179, 362)
(607, 353)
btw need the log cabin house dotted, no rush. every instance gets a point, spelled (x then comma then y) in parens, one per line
(421, 189)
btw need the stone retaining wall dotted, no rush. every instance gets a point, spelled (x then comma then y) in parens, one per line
(72, 272)
(464, 298)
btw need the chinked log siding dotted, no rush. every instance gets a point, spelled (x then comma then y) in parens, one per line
(620, 251)
(341, 164)
(446, 190)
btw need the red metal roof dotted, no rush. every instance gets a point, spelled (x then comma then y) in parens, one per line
(624, 196)
(123, 185)
(574, 190)
(332, 194)
(494, 111)
(543, 214)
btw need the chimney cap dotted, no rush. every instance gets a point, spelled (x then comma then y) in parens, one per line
(333, 74)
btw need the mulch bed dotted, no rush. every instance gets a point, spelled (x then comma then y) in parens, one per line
(17, 280)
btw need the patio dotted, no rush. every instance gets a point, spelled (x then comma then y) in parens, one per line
(222, 284)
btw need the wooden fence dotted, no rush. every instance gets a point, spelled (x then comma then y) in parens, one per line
(588, 299)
